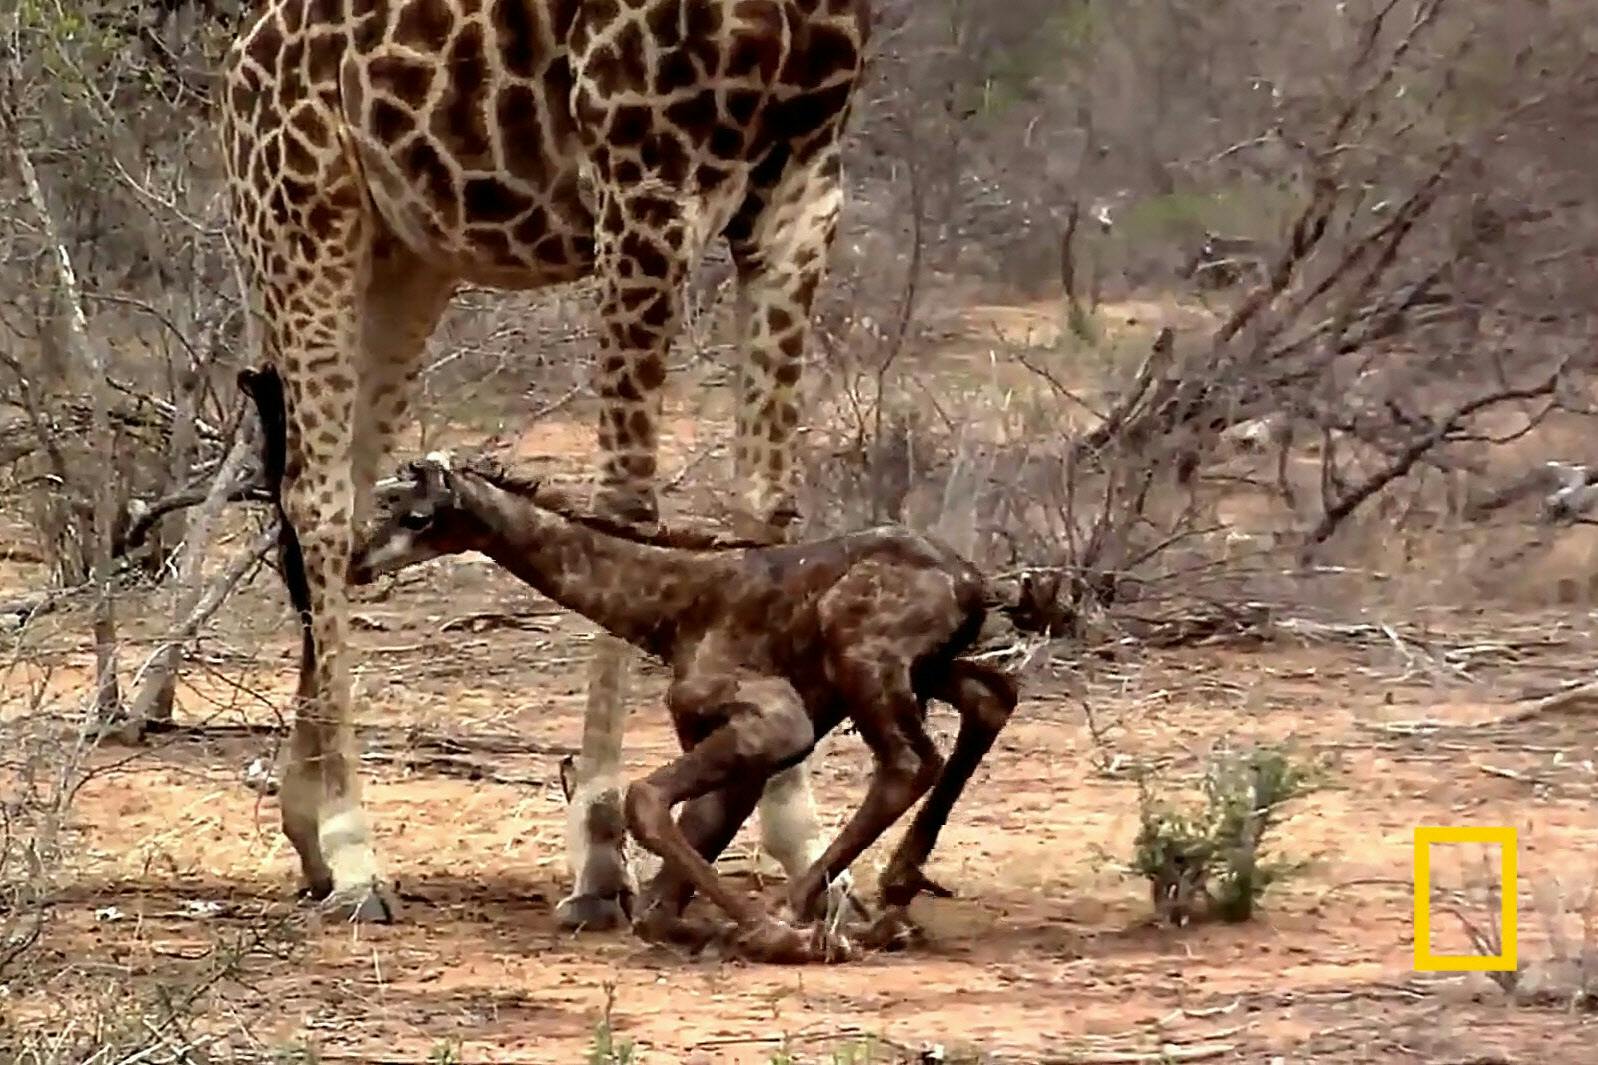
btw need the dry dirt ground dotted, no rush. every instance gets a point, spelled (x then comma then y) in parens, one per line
(471, 690)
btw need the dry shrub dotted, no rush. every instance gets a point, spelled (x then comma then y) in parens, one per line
(1419, 320)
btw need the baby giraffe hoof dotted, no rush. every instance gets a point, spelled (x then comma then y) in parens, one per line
(370, 903)
(901, 886)
(591, 913)
(313, 892)
(843, 906)
(830, 946)
(659, 925)
(894, 931)
(774, 942)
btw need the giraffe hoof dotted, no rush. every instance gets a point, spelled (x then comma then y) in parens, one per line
(774, 942)
(660, 926)
(784, 515)
(370, 903)
(901, 886)
(313, 894)
(893, 931)
(591, 913)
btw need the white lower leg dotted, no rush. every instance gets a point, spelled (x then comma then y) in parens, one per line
(790, 828)
(596, 837)
(343, 832)
(347, 842)
(595, 826)
(332, 834)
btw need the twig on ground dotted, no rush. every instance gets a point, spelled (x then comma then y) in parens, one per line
(1583, 697)
(1167, 1052)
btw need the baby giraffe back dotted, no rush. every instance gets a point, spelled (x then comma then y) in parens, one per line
(902, 613)
(828, 615)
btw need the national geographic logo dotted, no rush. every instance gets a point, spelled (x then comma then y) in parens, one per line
(1504, 838)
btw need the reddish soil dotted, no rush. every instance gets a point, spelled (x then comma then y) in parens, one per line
(1046, 951)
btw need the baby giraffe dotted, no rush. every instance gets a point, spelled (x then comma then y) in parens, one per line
(770, 647)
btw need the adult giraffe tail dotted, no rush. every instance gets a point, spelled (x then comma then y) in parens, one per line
(265, 389)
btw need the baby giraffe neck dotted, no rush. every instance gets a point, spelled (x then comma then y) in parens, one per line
(608, 579)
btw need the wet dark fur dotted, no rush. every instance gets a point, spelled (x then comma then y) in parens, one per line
(557, 502)
(1031, 606)
(778, 624)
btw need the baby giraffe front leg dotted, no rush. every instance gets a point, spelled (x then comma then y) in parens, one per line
(708, 823)
(761, 729)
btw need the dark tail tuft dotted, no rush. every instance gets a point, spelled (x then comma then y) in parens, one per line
(1032, 603)
(265, 389)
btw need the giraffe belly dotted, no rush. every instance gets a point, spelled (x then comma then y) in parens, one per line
(482, 230)
(480, 178)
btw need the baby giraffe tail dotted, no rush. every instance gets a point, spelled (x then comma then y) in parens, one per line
(1031, 602)
(265, 389)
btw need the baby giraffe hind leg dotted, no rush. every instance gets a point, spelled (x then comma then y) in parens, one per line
(878, 620)
(888, 718)
(761, 729)
(985, 698)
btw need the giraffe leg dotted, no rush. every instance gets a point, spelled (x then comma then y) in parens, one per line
(888, 717)
(640, 261)
(790, 832)
(314, 333)
(780, 240)
(709, 824)
(710, 821)
(602, 883)
(403, 302)
(985, 699)
(762, 728)
(405, 298)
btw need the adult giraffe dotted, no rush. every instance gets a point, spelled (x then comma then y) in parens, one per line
(381, 152)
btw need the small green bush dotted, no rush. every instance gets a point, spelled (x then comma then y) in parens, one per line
(1209, 862)
(606, 1048)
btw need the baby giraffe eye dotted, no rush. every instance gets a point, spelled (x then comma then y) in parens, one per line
(415, 519)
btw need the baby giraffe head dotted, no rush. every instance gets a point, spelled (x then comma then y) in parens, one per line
(420, 517)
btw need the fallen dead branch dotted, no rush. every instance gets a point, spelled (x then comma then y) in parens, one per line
(1583, 697)
(17, 613)
(1164, 1053)
(143, 517)
(385, 737)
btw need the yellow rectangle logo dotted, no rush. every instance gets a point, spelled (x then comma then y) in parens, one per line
(1504, 837)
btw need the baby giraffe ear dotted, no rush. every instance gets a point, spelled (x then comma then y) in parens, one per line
(434, 479)
(428, 485)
